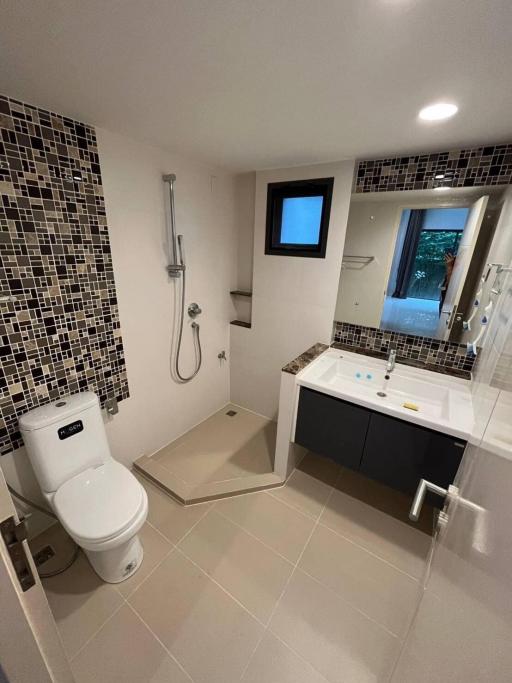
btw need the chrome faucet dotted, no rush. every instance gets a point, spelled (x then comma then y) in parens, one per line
(391, 361)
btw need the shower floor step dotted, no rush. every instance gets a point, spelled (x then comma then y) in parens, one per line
(229, 453)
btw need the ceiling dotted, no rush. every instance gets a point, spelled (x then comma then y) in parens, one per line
(251, 84)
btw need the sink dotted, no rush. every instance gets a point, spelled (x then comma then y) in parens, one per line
(428, 398)
(363, 373)
(443, 403)
(368, 376)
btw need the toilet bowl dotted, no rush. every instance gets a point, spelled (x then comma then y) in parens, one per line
(102, 509)
(98, 501)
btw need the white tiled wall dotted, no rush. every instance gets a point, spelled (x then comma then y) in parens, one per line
(293, 298)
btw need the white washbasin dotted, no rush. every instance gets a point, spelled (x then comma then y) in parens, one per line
(428, 398)
(364, 373)
(443, 403)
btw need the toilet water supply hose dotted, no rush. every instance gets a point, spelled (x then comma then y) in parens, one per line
(49, 513)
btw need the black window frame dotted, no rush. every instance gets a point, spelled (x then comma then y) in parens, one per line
(276, 193)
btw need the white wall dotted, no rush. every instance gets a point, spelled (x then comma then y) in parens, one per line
(293, 298)
(245, 186)
(158, 409)
(371, 231)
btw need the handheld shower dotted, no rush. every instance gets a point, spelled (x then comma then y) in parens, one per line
(176, 269)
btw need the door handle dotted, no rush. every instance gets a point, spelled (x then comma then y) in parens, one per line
(419, 497)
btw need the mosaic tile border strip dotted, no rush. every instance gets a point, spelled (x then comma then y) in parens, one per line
(60, 329)
(469, 167)
(439, 356)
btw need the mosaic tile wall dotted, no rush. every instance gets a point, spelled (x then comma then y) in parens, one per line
(440, 356)
(60, 330)
(477, 166)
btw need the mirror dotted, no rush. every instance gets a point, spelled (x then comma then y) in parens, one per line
(415, 261)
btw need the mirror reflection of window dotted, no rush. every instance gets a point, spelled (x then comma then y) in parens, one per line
(425, 251)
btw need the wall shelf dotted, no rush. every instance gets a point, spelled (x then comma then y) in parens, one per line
(241, 323)
(241, 292)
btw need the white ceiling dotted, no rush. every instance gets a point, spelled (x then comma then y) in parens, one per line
(249, 84)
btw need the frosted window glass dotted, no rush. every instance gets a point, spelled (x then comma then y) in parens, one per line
(300, 222)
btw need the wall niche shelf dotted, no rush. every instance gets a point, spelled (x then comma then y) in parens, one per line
(242, 305)
(241, 323)
(241, 292)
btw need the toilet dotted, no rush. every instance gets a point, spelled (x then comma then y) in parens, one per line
(98, 501)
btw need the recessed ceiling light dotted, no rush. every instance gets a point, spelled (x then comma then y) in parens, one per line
(438, 112)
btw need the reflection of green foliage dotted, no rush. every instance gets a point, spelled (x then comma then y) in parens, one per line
(429, 267)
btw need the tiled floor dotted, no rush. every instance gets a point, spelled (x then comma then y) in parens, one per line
(225, 453)
(304, 584)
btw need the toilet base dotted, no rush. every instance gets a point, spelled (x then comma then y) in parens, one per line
(117, 564)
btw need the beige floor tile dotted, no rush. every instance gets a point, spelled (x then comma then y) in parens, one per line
(386, 537)
(282, 528)
(222, 447)
(125, 651)
(274, 662)
(304, 492)
(368, 583)
(254, 574)
(384, 498)
(321, 468)
(206, 630)
(172, 519)
(336, 639)
(81, 602)
(156, 548)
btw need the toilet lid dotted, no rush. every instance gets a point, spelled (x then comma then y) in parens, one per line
(99, 503)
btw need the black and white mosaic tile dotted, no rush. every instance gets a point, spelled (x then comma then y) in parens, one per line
(439, 356)
(60, 330)
(476, 166)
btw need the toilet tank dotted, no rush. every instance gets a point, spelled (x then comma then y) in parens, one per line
(64, 438)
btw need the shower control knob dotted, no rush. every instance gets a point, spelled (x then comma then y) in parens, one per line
(194, 310)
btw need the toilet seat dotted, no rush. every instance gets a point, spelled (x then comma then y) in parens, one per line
(101, 507)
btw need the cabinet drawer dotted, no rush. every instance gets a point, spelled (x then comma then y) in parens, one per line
(399, 454)
(331, 427)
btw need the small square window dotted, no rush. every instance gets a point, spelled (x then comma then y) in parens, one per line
(298, 217)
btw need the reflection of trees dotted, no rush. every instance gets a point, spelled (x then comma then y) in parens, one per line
(429, 268)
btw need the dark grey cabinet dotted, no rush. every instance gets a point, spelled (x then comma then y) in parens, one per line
(331, 427)
(392, 451)
(399, 454)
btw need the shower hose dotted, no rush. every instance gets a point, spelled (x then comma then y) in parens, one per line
(197, 340)
(45, 511)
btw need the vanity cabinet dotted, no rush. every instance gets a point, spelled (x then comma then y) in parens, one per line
(322, 427)
(390, 450)
(399, 454)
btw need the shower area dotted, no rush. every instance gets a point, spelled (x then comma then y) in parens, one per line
(231, 451)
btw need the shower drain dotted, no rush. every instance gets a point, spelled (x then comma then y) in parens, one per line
(231, 413)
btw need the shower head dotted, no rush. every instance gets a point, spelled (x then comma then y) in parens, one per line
(169, 178)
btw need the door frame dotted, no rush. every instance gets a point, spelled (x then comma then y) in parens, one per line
(30, 645)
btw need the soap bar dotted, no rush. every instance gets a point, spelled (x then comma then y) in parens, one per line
(410, 406)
